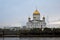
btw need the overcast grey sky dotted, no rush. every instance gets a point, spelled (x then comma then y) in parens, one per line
(16, 12)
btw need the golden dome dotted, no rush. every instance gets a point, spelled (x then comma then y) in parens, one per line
(36, 12)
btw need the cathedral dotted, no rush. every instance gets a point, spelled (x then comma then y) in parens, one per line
(36, 22)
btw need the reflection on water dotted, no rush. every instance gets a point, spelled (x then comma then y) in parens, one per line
(9, 38)
(31, 38)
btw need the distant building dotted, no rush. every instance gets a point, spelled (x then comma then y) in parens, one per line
(36, 22)
(24, 27)
(15, 28)
(12, 28)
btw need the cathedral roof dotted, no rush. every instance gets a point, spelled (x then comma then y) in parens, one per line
(37, 20)
(36, 12)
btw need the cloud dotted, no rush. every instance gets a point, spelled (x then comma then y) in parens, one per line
(55, 22)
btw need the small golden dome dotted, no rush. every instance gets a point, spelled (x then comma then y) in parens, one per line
(29, 18)
(36, 12)
(43, 17)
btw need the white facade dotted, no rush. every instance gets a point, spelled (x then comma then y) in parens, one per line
(36, 22)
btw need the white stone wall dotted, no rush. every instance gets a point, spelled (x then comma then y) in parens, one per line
(29, 25)
(36, 24)
(36, 17)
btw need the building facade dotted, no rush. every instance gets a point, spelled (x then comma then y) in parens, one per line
(36, 22)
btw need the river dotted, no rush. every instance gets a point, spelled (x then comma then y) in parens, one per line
(31, 38)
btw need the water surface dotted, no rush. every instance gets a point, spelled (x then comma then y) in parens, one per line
(31, 38)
